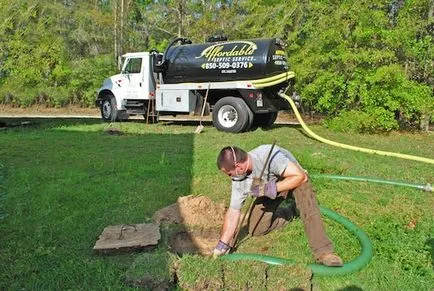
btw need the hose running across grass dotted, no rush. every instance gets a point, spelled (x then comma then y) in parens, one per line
(427, 187)
(383, 153)
(321, 270)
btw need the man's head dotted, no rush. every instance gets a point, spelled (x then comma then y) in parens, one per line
(234, 162)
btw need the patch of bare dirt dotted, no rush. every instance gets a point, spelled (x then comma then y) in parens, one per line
(194, 241)
(199, 220)
(192, 211)
(7, 110)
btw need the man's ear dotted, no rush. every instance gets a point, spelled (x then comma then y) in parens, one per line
(243, 165)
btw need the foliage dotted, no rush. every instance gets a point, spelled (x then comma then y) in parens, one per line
(373, 57)
(87, 76)
(41, 40)
(353, 121)
(354, 58)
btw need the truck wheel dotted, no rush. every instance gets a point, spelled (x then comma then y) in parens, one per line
(230, 115)
(265, 120)
(251, 117)
(109, 112)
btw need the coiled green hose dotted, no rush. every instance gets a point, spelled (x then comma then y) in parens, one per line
(320, 270)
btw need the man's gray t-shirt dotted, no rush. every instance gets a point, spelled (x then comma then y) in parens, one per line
(279, 160)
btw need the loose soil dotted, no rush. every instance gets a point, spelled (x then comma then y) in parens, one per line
(199, 223)
(194, 241)
(192, 211)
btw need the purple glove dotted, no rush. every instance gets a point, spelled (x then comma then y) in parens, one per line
(221, 249)
(268, 189)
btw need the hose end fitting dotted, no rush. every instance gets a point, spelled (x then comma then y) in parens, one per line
(427, 188)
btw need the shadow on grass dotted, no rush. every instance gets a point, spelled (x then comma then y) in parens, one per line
(186, 122)
(67, 186)
(350, 288)
(2, 191)
(13, 123)
(430, 244)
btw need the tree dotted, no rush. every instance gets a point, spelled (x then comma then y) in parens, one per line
(370, 61)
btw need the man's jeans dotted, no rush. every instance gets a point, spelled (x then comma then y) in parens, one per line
(266, 216)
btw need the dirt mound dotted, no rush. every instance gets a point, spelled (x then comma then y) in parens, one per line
(192, 211)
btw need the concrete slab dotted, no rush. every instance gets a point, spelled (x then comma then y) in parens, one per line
(128, 237)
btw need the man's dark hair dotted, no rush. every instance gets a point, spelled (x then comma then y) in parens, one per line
(229, 156)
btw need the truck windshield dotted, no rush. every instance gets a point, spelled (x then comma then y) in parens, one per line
(134, 66)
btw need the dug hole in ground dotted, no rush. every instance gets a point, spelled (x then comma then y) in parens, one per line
(200, 220)
(190, 230)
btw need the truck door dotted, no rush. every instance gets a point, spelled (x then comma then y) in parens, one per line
(134, 77)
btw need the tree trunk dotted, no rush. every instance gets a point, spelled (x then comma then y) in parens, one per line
(431, 10)
(181, 14)
(115, 12)
(121, 34)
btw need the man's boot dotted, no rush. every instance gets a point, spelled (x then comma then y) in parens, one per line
(331, 260)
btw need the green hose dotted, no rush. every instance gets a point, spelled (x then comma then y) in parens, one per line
(426, 187)
(354, 265)
(259, 258)
(321, 270)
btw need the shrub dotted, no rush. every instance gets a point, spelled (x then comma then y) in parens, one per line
(358, 121)
(87, 76)
(59, 96)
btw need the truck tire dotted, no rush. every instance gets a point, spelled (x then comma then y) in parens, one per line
(109, 112)
(251, 116)
(230, 114)
(264, 120)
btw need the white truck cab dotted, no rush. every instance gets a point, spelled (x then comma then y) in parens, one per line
(130, 91)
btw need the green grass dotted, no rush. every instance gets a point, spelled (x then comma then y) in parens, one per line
(63, 181)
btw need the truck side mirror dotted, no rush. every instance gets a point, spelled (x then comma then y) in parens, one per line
(157, 63)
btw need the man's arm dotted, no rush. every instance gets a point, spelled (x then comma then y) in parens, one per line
(293, 176)
(230, 225)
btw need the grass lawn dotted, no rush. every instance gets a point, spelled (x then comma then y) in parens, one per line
(63, 181)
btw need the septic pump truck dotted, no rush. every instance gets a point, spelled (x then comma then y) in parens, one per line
(240, 80)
